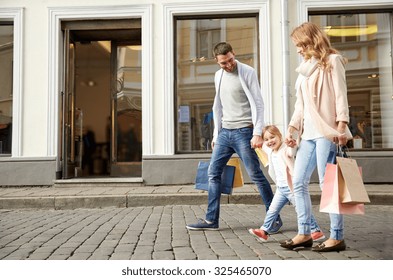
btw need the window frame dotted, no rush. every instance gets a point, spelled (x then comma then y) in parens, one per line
(59, 14)
(16, 16)
(255, 17)
(191, 9)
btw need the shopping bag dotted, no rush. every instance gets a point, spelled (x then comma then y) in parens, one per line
(330, 197)
(262, 155)
(202, 179)
(350, 182)
(238, 180)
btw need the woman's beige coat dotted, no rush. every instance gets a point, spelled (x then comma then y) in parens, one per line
(327, 95)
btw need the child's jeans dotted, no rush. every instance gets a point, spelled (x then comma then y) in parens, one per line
(282, 196)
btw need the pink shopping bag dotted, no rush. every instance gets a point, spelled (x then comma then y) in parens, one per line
(330, 197)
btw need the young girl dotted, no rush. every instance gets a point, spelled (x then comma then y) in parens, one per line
(281, 163)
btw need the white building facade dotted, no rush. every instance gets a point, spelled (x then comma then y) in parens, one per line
(121, 91)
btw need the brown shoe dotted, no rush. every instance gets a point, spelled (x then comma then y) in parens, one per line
(284, 241)
(288, 244)
(321, 247)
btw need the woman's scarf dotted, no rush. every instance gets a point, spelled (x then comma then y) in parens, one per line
(305, 70)
(307, 67)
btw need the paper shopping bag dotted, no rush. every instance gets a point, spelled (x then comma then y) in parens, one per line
(330, 198)
(238, 180)
(262, 155)
(351, 185)
(202, 179)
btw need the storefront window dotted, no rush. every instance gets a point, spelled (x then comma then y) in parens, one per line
(365, 39)
(195, 68)
(6, 67)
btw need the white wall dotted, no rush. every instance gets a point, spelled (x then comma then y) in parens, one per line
(36, 92)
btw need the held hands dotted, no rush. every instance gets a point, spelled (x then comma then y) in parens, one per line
(256, 141)
(290, 140)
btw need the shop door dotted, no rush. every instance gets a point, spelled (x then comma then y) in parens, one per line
(126, 110)
(111, 109)
(71, 123)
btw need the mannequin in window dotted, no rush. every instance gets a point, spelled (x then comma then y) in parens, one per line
(363, 131)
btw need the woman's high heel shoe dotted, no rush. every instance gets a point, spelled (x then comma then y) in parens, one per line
(288, 244)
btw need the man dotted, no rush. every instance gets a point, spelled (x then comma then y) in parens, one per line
(238, 121)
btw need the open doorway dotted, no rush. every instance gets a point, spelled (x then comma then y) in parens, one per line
(102, 112)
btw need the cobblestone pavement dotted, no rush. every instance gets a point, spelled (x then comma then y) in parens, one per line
(159, 233)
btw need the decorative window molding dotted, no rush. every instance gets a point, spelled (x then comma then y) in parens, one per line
(311, 5)
(202, 8)
(56, 15)
(16, 15)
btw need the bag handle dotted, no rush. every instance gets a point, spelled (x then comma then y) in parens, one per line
(342, 151)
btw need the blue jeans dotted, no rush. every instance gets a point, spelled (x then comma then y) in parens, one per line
(313, 153)
(230, 141)
(282, 196)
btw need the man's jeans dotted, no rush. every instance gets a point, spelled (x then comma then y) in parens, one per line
(232, 141)
(313, 153)
(282, 196)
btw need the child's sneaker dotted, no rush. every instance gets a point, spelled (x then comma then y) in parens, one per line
(260, 234)
(317, 235)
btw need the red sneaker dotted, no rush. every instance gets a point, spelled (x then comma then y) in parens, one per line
(260, 234)
(317, 235)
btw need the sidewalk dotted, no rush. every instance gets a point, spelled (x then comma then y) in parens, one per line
(149, 223)
(96, 194)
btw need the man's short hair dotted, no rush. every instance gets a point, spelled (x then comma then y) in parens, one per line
(222, 48)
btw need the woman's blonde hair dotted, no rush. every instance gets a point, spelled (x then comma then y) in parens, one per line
(315, 43)
(272, 129)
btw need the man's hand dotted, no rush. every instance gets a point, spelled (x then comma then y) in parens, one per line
(256, 141)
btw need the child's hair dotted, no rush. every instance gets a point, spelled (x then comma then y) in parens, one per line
(272, 129)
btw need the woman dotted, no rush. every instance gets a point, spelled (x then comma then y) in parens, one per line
(319, 120)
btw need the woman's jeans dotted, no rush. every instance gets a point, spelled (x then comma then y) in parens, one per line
(230, 141)
(282, 196)
(313, 153)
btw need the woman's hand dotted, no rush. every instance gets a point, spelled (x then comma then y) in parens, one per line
(290, 140)
(342, 138)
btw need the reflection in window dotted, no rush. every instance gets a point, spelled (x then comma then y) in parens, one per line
(6, 66)
(129, 105)
(365, 40)
(195, 68)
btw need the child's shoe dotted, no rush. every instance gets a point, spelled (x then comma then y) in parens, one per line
(260, 234)
(317, 235)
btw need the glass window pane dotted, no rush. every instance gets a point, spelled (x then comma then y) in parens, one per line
(195, 68)
(6, 66)
(129, 106)
(365, 39)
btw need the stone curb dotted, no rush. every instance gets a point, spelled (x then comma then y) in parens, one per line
(139, 200)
